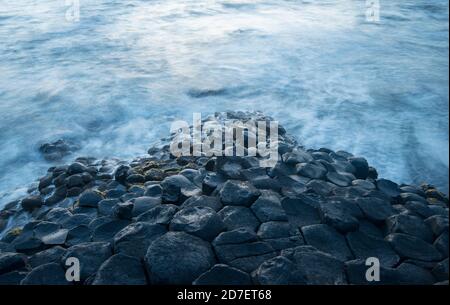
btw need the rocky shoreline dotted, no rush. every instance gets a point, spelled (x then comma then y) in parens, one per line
(312, 219)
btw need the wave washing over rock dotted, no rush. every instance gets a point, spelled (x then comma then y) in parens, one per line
(314, 218)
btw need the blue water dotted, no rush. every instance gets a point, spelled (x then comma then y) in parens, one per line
(114, 81)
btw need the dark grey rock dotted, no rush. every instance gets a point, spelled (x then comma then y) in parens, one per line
(72, 192)
(75, 181)
(6, 247)
(76, 168)
(282, 243)
(326, 239)
(405, 274)
(178, 188)
(415, 275)
(143, 204)
(365, 184)
(135, 191)
(51, 255)
(121, 269)
(237, 236)
(438, 210)
(370, 229)
(154, 174)
(406, 197)
(276, 229)
(364, 246)
(85, 211)
(27, 243)
(12, 278)
(123, 210)
(90, 198)
(440, 271)
(60, 180)
(409, 225)
(105, 232)
(121, 173)
(115, 193)
(340, 179)
(388, 187)
(31, 203)
(340, 214)
(438, 224)
(361, 167)
(441, 243)
(240, 193)
(91, 256)
(230, 169)
(58, 215)
(202, 222)
(47, 274)
(161, 214)
(419, 208)
(135, 178)
(78, 235)
(375, 209)
(250, 263)
(105, 207)
(154, 191)
(300, 212)
(413, 189)
(228, 252)
(343, 166)
(297, 156)
(282, 169)
(268, 208)
(258, 177)
(350, 192)
(236, 217)
(10, 261)
(318, 268)
(322, 155)
(45, 182)
(320, 187)
(280, 235)
(408, 246)
(292, 186)
(99, 221)
(279, 271)
(211, 182)
(44, 228)
(203, 201)
(76, 220)
(221, 274)
(178, 258)
(58, 195)
(134, 239)
(55, 238)
(313, 170)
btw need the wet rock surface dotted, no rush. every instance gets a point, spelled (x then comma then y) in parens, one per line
(313, 218)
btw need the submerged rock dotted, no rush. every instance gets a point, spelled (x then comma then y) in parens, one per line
(57, 150)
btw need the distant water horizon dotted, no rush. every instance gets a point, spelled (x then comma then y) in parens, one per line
(113, 81)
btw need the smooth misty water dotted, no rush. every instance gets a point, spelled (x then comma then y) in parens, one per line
(115, 80)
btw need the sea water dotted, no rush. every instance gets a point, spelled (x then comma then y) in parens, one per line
(113, 75)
